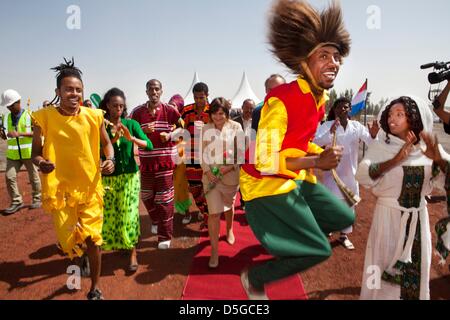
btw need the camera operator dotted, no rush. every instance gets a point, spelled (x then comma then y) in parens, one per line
(439, 107)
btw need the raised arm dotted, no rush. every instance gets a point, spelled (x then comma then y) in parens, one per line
(439, 105)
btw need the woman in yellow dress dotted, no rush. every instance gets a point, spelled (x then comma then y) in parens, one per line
(182, 198)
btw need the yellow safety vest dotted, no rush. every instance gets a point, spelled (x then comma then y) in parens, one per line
(20, 148)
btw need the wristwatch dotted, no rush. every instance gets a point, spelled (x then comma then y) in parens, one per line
(112, 159)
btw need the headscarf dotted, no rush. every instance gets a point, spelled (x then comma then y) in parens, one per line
(178, 102)
(381, 151)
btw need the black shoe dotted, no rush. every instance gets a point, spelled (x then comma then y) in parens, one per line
(85, 268)
(13, 208)
(35, 205)
(95, 294)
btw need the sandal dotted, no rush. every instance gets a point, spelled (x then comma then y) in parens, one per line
(213, 264)
(346, 243)
(187, 219)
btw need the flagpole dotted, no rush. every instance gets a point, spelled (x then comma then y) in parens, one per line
(365, 114)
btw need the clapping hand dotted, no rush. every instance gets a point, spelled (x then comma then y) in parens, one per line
(407, 148)
(150, 128)
(125, 132)
(432, 151)
(374, 129)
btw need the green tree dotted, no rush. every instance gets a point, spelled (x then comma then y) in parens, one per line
(333, 97)
(347, 94)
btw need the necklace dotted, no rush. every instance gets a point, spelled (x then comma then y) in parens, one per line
(67, 113)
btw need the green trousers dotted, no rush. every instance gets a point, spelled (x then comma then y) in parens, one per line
(293, 227)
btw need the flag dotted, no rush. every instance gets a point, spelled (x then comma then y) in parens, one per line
(359, 101)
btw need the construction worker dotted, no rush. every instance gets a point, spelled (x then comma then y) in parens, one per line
(19, 136)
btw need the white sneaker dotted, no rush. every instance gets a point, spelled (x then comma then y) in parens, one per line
(187, 219)
(164, 245)
(346, 243)
(154, 229)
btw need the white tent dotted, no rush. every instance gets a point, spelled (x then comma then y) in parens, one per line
(244, 92)
(189, 98)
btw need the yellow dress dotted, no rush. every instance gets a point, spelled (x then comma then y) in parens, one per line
(182, 200)
(73, 192)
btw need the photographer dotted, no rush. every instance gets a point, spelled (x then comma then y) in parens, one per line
(439, 107)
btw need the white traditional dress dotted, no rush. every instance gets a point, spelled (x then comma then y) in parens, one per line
(398, 254)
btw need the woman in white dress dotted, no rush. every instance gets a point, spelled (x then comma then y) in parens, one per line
(400, 173)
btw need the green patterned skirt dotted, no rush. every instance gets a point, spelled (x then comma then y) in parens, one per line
(121, 228)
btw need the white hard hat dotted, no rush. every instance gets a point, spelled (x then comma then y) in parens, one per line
(9, 97)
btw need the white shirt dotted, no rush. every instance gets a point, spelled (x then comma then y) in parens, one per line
(349, 139)
(247, 126)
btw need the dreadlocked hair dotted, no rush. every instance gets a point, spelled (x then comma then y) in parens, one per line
(65, 70)
(296, 29)
(412, 115)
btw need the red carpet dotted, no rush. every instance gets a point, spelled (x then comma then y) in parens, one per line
(224, 283)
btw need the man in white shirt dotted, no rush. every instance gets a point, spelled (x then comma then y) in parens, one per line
(245, 119)
(349, 133)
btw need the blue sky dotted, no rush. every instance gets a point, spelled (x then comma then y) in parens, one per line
(126, 43)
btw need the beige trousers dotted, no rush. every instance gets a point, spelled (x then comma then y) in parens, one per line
(12, 170)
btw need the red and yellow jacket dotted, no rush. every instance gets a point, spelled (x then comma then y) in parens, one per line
(289, 120)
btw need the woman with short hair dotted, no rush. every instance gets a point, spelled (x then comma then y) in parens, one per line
(221, 149)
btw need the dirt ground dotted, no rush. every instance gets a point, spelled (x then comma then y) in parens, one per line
(31, 266)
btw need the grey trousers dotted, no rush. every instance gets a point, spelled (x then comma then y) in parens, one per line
(12, 170)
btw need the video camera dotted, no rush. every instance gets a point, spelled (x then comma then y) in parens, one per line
(441, 71)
